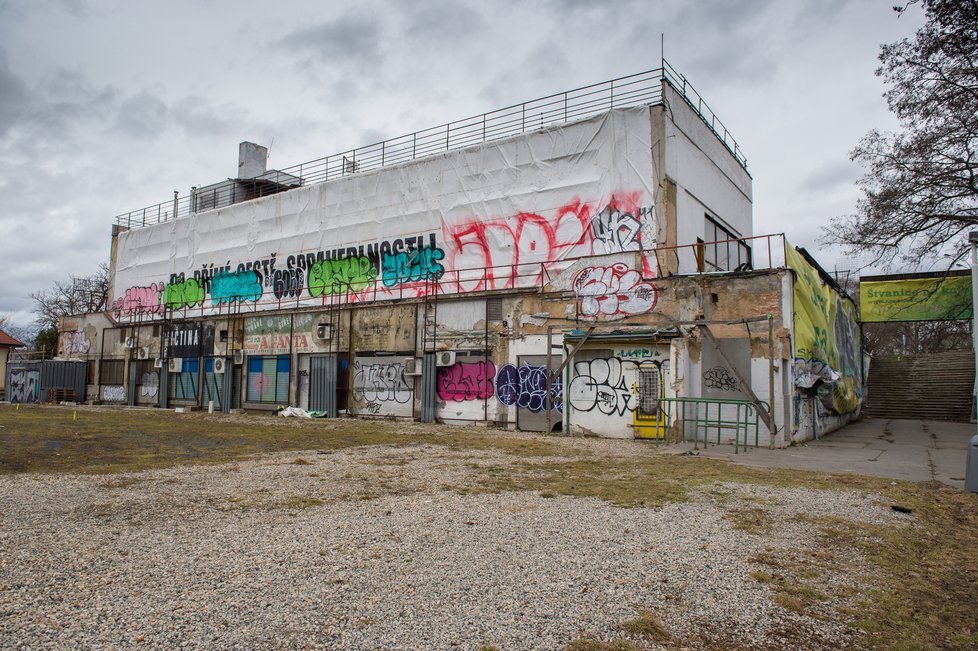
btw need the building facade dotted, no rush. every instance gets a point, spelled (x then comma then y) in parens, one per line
(593, 274)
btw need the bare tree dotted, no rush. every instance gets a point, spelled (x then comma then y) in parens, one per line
(920, 190)
(74, 296)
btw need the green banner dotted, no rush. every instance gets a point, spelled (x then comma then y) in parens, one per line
(916, 299)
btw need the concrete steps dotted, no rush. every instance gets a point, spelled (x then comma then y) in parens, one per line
(935, 386)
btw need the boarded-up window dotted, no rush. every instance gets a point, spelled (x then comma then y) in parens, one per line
(111, 371)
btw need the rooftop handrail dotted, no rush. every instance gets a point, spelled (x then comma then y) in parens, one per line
(640, 89)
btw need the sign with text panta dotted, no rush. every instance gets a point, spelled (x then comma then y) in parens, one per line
(927, 298)
(278, 335)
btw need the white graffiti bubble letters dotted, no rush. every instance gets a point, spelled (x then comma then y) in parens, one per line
(600, 384)
(613, 290)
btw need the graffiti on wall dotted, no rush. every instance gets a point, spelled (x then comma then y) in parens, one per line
(613, 290)
(599, 384)
(114, 393)
(526, 387)
(466, 381)
(337, 277)
(476, 253)
(720, 379)
(76, 343)
(239, 286)
(413, 266)
(149, 384)
(25, 385)
(380, 382)
(615, 231)
(140, 301)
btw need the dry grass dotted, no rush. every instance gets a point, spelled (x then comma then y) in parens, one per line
(647, 626)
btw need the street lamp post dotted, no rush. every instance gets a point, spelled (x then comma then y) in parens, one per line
(973, 240)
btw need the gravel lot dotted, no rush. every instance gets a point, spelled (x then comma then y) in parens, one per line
(369, 548)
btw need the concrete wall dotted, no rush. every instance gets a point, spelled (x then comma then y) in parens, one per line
(707, 178)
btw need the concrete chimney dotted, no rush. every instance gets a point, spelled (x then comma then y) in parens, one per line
(251, 160)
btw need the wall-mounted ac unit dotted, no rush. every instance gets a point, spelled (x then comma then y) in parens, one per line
(130, 342)
(412, 366)
(238, 357)
(445, 358)
(158, 362)
(143, 352)
(324, 331)
(219, 364)
(175, 365)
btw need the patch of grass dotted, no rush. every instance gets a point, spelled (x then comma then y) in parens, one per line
(753, 520)
(647, 626)
(46, 439)
(922, 593)
(762, 576)
(302, 502)
(791, 603)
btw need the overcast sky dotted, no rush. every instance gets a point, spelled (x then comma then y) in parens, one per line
(108, 106)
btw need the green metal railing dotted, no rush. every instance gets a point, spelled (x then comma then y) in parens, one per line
(709, 415)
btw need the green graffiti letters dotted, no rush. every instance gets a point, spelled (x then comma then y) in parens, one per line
(183, 293)
(341, 275)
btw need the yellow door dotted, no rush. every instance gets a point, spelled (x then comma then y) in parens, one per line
(649, 419)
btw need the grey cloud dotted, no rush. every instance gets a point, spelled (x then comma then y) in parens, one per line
(14, 95)
(831, 176)
(352, 37)
(371, 136)
(439, 22)
(142, 116)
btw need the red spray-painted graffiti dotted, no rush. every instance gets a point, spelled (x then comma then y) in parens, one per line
(466, 381)
(613, 290)
(513, 250)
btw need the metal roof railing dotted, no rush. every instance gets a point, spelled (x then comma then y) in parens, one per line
(644, 88)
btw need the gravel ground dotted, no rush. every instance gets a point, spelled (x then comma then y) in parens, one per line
(363, 549)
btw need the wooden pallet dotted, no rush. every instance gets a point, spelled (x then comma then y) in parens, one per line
(61, 395)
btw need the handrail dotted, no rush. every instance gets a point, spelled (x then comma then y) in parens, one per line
(744, 419)
(640, 89)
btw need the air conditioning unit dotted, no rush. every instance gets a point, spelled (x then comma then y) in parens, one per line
(238, 357)
(175, 365)
(412, 366)
(219, 363)
(158, 362)
(130, 342)
(445, 358)
(324, 331)
(143, 352)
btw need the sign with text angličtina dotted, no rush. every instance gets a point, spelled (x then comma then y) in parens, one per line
(933, 298)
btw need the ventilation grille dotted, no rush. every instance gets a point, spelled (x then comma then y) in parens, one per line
(494, 309)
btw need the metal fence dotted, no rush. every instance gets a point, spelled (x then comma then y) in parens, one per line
(644, 88)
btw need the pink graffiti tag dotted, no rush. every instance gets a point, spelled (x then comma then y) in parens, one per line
(140, 300)
(466, 381)
(614, 290)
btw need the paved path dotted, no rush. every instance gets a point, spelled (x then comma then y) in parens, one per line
(914, 450)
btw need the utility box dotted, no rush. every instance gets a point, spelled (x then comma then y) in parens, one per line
(971, 472)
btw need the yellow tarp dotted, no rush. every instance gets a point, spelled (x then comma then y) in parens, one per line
(826, 338)
(915, 299)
